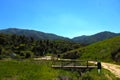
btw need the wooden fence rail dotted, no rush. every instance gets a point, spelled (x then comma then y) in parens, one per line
(73, 64)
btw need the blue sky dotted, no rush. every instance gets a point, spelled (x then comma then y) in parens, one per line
(69, 18)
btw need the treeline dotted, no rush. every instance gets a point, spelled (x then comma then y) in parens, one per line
(25, 47)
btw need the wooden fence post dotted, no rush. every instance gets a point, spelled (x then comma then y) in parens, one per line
(87, 63)
(99, 67)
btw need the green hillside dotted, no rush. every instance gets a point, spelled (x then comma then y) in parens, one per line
(24, 47)
(107, 50)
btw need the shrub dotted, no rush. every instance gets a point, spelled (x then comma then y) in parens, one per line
(72, 55)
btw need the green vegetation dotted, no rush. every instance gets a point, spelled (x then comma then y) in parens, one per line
(25, 47)
(104, 75)
(22, 48)
(41, 70)
(26, 70)
(107, 50)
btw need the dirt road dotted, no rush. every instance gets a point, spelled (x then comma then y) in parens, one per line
(113, 68)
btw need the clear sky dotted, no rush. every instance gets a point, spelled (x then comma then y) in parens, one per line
(69, 18)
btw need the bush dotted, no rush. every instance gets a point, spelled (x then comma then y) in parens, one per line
(71, 55)
(116, 55)
(87, 77)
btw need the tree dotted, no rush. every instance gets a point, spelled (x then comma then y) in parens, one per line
(28, 55)
(72, 55)
(0, 50)
(3, 41)
(116, 55)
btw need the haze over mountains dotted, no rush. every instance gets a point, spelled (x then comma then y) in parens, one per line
(41, 35)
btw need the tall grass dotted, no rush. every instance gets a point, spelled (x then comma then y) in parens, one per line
(93, 75)
(29, 70)
(15, 70)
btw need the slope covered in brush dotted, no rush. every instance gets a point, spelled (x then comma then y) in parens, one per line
(24, 47)
(107, 50)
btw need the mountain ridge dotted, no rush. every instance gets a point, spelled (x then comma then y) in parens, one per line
(33, 33)
(42, 35)
(95, 37)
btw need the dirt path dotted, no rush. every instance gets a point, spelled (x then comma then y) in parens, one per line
(113, 68)
(44, 58)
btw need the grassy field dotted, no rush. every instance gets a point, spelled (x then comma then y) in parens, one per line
(29, 70)
(15, 70)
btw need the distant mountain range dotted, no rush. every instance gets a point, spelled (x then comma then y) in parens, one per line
(96, 37)
(41, 35)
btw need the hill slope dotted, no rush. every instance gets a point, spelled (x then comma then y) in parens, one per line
(47, 36)
(107, 50)
(95, 38)
(33, 33)
(22, 46)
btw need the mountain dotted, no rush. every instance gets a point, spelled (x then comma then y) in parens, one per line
(95, 38)
(106, 50)
(41, 35)
(33, 33)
